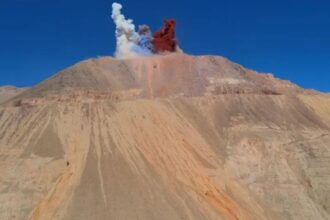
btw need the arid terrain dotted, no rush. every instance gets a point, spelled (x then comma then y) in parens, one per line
(171, 137)
(7, 92)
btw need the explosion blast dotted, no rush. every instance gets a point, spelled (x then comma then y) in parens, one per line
(131, 43)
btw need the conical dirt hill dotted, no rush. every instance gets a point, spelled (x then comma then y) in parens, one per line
(165, 137)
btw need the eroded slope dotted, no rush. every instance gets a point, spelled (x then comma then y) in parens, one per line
(176, 137)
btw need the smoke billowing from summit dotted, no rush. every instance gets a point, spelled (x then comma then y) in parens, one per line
(131, 43)
(164, 39)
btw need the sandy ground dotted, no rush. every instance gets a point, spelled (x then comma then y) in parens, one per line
(8, 92)
(150, 143)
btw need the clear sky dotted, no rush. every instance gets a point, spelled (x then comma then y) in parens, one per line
(288, 38)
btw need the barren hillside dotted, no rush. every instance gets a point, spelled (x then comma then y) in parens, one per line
(165, 137)
(7, 92)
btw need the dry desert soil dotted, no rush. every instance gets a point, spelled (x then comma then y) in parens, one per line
(173, 137)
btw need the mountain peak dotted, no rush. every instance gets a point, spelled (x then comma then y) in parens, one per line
(165, 137)
(160, 76)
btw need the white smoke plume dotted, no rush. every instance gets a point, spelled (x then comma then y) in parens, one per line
(129, 42)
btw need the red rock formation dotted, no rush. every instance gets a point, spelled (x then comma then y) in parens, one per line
(164, 39)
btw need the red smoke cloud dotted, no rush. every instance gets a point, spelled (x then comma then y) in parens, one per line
(164, 39)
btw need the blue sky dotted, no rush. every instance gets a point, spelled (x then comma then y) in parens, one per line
(290, 39)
